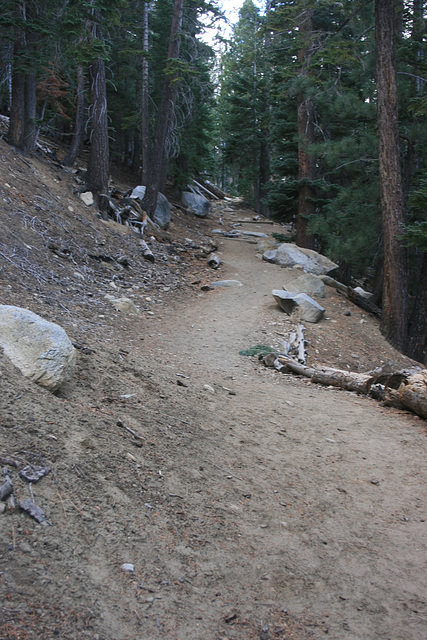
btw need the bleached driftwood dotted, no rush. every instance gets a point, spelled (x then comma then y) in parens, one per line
(296, 344)
(406, 388)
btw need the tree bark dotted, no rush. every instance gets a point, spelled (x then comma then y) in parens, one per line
(306, 162)
(16, 131)
(15, 134)
(395, 295)
(144, 97)
(97, 170)
(159, 158)
(79, 120)
(417, 333)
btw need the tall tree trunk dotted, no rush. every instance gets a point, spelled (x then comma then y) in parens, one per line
(79, 120)
(417, 333)
(159, 157)
(30, 128)
(16, 132)
(144, 97)
(306, 162)
(395, 295)
(97, 169)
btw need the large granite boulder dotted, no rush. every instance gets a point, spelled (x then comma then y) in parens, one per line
(309, 310)
(41, 350)
(289, 255)
(307, 283)
(162, 214)
(196, 203)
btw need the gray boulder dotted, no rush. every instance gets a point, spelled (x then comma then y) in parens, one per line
(309, 310)
(162, 214)
(307, 283)
(125, 305)
(41, 350)
(196, 203)
(289, 255)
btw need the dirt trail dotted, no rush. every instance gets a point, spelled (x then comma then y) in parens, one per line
(252, 505)
(325, 488)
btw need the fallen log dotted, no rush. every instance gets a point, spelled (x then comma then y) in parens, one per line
(363, 303)
(406, 388)
(208, 191)
(214, 190)
(329, 376)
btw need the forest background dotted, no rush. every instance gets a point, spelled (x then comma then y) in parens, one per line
(312, 110)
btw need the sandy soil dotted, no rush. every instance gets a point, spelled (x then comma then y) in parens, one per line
(252, 504)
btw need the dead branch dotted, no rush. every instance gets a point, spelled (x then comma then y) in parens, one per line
(406, 388)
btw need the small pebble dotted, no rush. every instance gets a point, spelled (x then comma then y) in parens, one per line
(130, 568)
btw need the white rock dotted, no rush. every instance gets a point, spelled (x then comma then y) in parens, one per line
(41, 350)
(125, 305)
(226, 283)
(87, 198)
(289, 255)
(130, 568)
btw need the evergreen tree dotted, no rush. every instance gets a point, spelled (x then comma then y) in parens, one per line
(243, 108)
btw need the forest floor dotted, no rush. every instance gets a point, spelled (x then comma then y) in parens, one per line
(253, 504)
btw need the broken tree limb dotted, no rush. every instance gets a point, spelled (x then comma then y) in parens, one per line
(348, 380)
(216, 191)
(363, 303)
(146, 251)
(6, 489)
(411, 392)
(296, 344)
(206, 189)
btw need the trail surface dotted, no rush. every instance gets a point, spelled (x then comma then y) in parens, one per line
(251, 504)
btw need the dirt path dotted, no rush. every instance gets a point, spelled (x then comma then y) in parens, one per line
(324, 488)
(252, 504)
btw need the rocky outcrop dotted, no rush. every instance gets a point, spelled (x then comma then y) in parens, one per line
(289, 255)
(41, 350)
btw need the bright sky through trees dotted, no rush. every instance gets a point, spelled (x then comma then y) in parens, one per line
(231, 9)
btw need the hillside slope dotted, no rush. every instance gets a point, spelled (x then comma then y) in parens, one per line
(251, 503)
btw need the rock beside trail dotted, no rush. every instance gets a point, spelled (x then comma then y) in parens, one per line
(162, 214)
(199, 205)
(289, 255)
(310, 310)
(125, 305)
(41, 350)
(307, 283)
(226, 283)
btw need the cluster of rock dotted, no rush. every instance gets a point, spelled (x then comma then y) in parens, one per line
(297, 294)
